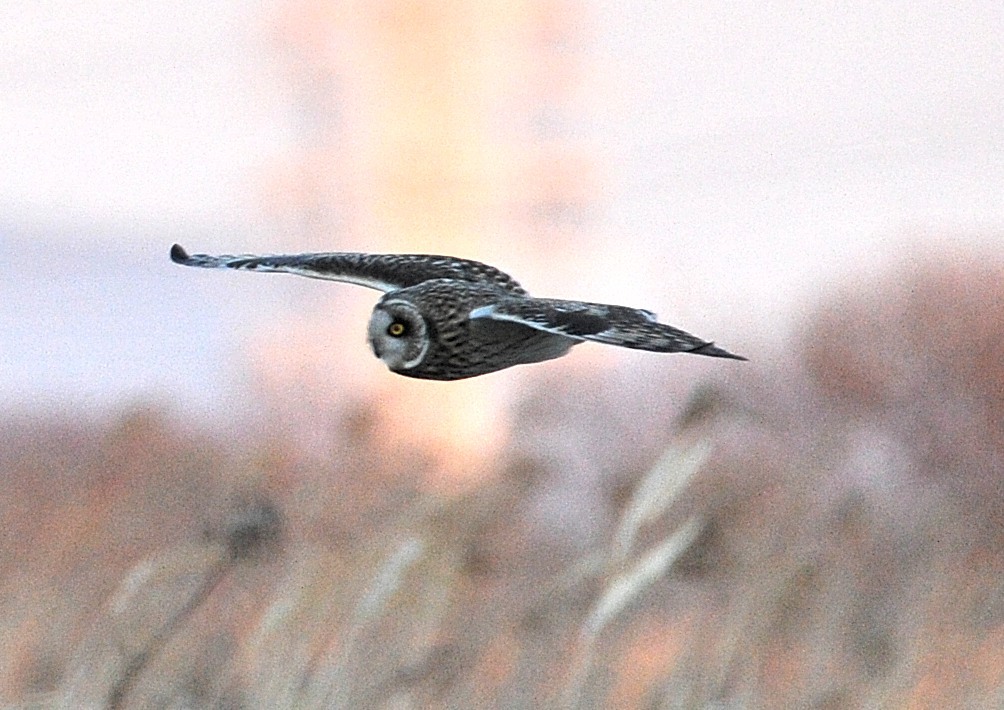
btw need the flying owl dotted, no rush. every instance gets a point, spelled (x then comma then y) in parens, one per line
(443, 318)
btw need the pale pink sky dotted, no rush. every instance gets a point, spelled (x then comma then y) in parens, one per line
(753, 150)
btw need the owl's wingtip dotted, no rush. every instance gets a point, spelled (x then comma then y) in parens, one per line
(712, 350)
(178, 254)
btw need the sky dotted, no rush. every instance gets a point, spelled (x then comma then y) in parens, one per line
(134, 114)
(749, 154)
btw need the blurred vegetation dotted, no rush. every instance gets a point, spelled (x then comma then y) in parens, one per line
(822, 529)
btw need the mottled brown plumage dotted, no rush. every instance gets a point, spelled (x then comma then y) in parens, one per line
(443, 318)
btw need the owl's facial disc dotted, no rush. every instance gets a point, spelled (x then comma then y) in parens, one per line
(398, 334)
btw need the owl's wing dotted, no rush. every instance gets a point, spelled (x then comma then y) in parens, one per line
(384, 272)
(616, 325)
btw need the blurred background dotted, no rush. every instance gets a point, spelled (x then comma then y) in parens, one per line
(215, 496)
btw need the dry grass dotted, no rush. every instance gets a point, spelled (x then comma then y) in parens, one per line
(820, 532)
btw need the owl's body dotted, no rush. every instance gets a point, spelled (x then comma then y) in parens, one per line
(443, 318)
(454, 345)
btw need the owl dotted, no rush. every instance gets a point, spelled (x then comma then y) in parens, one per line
(443, 318)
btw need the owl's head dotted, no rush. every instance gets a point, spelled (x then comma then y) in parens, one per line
(398, 334)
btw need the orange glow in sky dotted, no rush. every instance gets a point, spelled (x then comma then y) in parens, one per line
(426, 142)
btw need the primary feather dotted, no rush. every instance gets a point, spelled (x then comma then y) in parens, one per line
(384, 272)
(615, 325)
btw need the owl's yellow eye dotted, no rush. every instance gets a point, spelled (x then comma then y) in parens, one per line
(396, 329)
